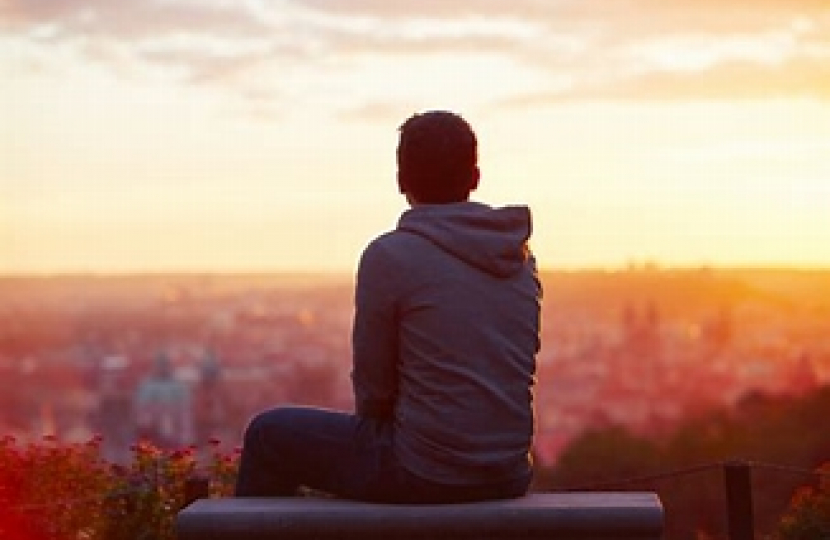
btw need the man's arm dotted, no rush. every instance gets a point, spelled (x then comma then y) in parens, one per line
(375, 336)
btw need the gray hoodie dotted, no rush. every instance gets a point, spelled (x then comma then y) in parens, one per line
(445, 337)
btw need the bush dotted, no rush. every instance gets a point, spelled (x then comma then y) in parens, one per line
(61, 491)
(808, 517)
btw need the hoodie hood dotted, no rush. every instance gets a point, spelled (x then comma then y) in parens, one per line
(491, 239)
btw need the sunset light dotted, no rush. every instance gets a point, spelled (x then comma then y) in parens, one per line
(179, 135)
(213, 289)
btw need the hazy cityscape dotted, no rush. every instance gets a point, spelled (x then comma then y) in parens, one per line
(183, 359)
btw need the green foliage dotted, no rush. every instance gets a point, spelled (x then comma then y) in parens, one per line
(808, 517)
(604, 455)
(765, 430)
(60, 491)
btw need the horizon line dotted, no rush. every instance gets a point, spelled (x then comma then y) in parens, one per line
(637, 266)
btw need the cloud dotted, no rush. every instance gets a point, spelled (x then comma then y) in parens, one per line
(609, 17)
(689, 51)
(432, 9)
(377, 111)
(731, 80)
(208, 43)
(583, 49)
(129, 19)
(620, 49)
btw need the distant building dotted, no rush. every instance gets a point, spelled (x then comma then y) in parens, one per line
(209, 412)
(163, 409)
(641, 331)
(112, 417)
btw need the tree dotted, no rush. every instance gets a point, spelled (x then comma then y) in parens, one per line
(808, 516)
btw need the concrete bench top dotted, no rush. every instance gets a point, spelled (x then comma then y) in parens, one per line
(583, 515)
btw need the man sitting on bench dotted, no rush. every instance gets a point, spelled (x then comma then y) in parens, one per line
(445, 337)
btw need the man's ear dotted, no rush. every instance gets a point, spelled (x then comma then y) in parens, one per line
(474, 178)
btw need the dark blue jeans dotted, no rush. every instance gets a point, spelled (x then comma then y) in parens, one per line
(344, 455)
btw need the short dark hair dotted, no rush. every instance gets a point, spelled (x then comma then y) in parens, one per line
(437, 157)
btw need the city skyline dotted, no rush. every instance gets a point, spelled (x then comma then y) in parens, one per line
(175, 135)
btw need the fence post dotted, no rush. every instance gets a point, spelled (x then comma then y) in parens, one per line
(196, 488)
(738, 485)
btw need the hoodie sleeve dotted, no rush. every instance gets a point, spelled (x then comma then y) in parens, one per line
(374, 336)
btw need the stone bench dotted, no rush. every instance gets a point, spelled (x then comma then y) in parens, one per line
(538, 516)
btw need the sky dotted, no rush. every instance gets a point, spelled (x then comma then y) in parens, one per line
(259, 135)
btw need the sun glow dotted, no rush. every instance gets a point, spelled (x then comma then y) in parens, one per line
(135, 142)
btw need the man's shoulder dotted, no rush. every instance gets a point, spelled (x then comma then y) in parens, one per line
(394, 240)
(395, 248)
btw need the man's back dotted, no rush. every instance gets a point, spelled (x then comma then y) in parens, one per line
(460, 284)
